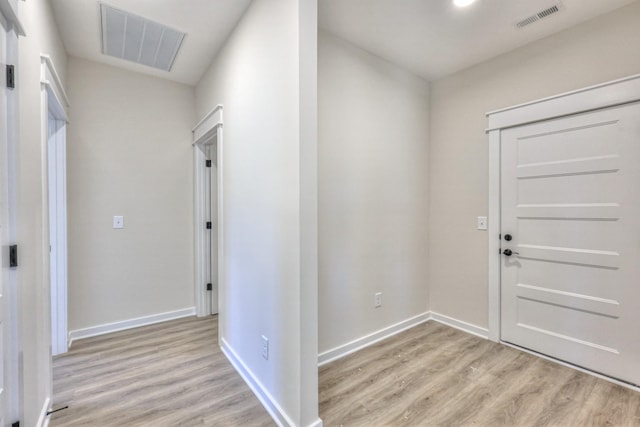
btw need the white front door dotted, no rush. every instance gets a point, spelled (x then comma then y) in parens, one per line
(4, 229)
(571, 208)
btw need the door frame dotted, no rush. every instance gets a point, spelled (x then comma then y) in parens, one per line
(55, 103)
(616, 92)
(206, 133)
(13, 374)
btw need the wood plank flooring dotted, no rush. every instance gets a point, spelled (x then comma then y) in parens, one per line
(433, 375)
(173, 374)
(168, 374)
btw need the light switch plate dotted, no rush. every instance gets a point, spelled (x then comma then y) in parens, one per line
(118, 221)
(482, 223)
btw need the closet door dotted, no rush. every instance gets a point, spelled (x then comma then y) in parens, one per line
(570, 275)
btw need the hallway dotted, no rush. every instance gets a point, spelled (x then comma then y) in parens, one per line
(167, 374)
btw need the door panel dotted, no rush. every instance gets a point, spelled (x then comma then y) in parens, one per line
(571, 200)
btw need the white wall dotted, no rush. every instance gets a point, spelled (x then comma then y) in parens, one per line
(373, 190)
(265, 78)
(32, 210)
(599, 50)
(128, 153)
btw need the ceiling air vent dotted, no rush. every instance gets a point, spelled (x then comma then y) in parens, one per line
(540, 15)
(137, 39)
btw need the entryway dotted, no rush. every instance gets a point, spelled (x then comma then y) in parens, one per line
(570, 231)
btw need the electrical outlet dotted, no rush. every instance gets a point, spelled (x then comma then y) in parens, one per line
(378, 299)
(482, 223)
(265, 348)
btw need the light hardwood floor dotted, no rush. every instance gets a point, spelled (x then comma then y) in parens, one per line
(173, 374)
(436, 375)
(163, 375)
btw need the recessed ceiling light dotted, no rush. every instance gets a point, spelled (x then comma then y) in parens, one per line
(463, 3)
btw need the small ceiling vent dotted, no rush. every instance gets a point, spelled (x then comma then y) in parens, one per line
(137, 39)
(540, 15)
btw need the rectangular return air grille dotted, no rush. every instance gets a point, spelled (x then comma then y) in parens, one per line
(538, 16)
(137, 39)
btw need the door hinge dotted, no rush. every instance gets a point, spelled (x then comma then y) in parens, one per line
(208, 225)
(209, 286)
(11, 76)
(13, 256)
(208, 163)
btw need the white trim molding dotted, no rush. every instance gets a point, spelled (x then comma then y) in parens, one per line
(50, 79)
(605, 95)
(107, 328)
(43, 419)
(54, 103)
(207, 133)
(493, 234)
(10, 13)
(270, 404)
(384, 333)
(209, 122)
(370, 339)
(608, 94)
(469, 328)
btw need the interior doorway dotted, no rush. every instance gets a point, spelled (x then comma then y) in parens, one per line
(54, 143)
(208, 212)
(56, 161)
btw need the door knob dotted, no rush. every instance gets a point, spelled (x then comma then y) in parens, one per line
(508, 237)
(509, 252)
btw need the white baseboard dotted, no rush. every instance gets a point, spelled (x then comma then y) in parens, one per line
(459, 324)
(316, 423)
(130, 323)
(43, 419)
(277, 413)
(367, 340)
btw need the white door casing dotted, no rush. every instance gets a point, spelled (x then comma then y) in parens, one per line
(208, 206)
(213, 233)
(563, 174)
(54, 105)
